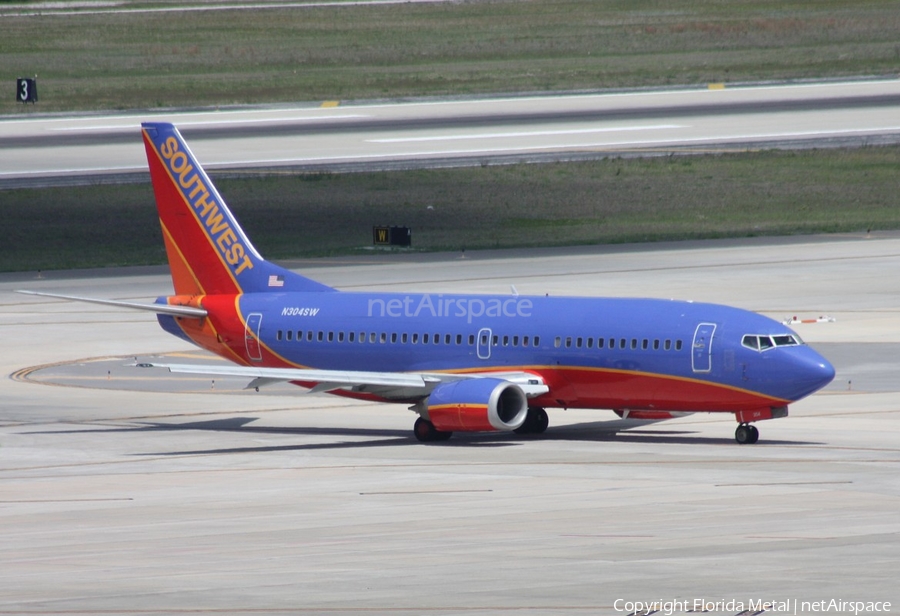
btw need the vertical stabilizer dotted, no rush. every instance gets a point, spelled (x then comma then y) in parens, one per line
(208, 252)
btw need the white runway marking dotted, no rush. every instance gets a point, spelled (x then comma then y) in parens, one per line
(60, 8)
(562, 146)
(543, 133)
(278, 120)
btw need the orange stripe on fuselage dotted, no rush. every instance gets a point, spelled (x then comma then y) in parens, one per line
(610, 388)
(589, 388)
(270, 358)
(586, 387)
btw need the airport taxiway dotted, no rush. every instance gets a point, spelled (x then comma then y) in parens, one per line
(123, 491)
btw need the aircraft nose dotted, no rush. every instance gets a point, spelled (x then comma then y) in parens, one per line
(813, 372)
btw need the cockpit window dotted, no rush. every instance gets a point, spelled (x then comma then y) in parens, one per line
(786, 340)
(761, 343)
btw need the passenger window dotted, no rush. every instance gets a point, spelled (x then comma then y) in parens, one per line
(622, 343)
(289, 335)
(320, 336)
(600, 343)
(645, 344)
(372, 336)
(415, 339)
(590, 343)
(425, 338)
(362, 337)
(404, 338)
(278, 335)
(447, 338)
(656, 345)
(515, 341)
(496, 340)
(505, 340)
(394, 338)
(678, 345)
(471, 339)
(458, 338)
(668, 345)
(351, 337)
(568, 342)
(537, 341)
(578, 342)
(436, 339)
(330, 336)
(634, 343)
(340, 336)
(299, 335)
(557, 341)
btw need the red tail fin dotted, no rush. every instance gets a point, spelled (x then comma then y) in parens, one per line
(208, 252)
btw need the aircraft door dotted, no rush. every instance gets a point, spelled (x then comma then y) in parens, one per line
(701, 349)
(483, 343)
(251, 336)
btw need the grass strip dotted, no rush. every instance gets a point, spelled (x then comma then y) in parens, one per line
(605, 201)
(121, 60)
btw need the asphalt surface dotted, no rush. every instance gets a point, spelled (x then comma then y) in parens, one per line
(126, 491)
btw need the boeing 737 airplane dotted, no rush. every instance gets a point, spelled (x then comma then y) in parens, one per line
(463, 363)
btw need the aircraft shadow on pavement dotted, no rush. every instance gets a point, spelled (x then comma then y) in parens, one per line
(622, 431)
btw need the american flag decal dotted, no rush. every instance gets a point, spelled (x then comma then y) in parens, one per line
(276, 281)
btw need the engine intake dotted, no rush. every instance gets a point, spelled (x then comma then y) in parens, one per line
(476, 405)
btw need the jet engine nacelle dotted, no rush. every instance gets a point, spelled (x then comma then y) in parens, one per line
(476, 405)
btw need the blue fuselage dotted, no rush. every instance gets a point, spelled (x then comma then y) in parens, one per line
(592, 352)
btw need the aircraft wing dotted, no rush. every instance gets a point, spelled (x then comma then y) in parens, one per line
(392, 385)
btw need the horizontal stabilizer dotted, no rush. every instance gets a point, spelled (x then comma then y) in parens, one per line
(179, 311)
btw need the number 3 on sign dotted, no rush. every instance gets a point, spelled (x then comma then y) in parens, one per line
(26, 90)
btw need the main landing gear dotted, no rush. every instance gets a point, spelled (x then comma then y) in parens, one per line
(426, 432)
(536, 422)
(746, 434)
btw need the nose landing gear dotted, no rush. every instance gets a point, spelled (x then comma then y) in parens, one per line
(746, 434)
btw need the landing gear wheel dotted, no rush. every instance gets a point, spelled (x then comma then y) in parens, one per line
(746, 434)
(536, 422)
(426, 432)
(754, 434)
